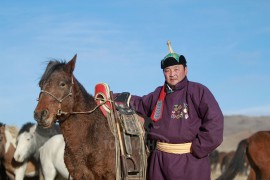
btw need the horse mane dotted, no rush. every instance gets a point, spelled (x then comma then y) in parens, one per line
(51, 67)
(26, 127)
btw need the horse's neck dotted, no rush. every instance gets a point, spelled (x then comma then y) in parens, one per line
(83, 101)
(76, 127)
(9, 151)
(47, 132)
(40, 140)
(11, 139)
(8, 159)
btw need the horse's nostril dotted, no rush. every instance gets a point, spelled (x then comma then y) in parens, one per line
(44, 113)
(40, 116)
(36, 116)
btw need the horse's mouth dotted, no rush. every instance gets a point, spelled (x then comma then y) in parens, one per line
(19, 159)
(46, 123)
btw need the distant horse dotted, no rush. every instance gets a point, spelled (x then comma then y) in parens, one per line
(221, 155)
(214, 156)
(13, 169)
(90, 151)
(257, 150)
(226, 161)
(52, 158)
(30, 138)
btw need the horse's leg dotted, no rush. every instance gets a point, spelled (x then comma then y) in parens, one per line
(61, 169)
(58, 161)
(49, 172)
(47, 167)
(20, 171)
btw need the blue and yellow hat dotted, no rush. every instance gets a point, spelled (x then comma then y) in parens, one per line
(172, 58)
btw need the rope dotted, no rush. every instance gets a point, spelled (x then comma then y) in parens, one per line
(89, 112)
(60, 112)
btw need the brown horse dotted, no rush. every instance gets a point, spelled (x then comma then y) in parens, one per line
(257, 150)
(90, 151)
(13, 169)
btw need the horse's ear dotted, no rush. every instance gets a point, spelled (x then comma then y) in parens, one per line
(71, 64)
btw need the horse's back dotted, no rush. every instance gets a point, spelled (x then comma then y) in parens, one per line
(259, 147)
(260, 141)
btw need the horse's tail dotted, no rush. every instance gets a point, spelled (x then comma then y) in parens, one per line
(236, 163)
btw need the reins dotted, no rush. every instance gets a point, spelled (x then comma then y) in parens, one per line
(87, 112)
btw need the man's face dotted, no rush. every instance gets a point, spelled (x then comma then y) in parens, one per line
(175, 74)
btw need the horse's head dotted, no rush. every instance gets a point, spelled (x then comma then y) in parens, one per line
(25, 142)
(55, 98)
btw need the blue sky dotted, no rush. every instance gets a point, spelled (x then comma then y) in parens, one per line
(226, 44)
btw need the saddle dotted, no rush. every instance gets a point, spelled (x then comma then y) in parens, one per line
(102, 97)
(128, 132)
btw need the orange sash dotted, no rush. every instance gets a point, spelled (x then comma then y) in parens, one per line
(158, 110)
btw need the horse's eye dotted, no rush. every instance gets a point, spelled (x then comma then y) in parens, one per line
(62, 84)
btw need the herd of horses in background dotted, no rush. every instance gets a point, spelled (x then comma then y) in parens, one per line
(220, 161)
(78, 148)
(32, 152)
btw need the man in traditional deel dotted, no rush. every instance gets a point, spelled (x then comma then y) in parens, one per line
(187, 124)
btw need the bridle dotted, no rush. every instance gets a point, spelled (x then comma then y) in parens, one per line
(59, 100)
(60, 112)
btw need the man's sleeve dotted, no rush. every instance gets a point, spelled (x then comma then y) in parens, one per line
(210, 135)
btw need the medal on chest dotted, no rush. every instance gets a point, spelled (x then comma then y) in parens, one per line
(180, 111)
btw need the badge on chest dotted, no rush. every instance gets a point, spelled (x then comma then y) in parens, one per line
(180, 111)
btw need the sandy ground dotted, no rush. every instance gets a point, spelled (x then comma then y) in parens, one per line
(239, 177)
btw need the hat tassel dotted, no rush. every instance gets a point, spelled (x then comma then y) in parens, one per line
(169, 46)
